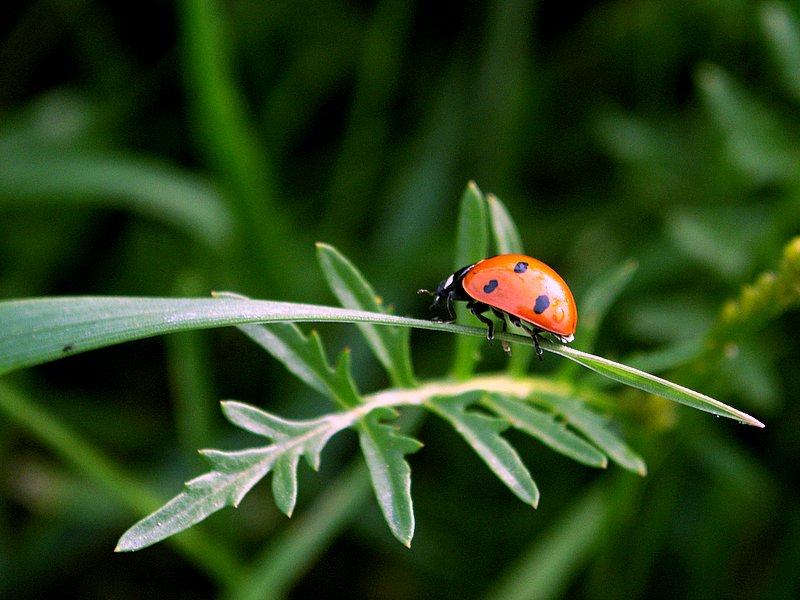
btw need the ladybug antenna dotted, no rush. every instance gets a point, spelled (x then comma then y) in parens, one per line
(430, 293)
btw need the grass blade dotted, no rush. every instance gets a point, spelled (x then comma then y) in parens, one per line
(653, 385)
(472, 244)
(508, 241)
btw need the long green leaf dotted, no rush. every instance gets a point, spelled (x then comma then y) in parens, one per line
(39, 330)
(390, 344)
(507, 240)
(472, 245)
(148, 187)
(652, 384)
(506, 235)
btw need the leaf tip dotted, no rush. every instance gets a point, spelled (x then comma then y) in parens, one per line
(124, 545)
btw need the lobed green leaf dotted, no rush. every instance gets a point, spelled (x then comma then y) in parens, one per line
(384, 450)
(236, 474)
(596, 428)
(544, 427)
(390, 345)
(482, 432)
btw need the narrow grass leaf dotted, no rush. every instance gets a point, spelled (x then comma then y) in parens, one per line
(506, 235)
(115, 180)
(384, 450)
(472, 244)
(43, 329)
(507, 240)
(390, 344)
(782, 33)
(544, 427)
(482, 433)
(596, 428)
(652, 384)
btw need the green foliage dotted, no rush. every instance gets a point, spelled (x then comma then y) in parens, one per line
(383, 446)
(646, 150)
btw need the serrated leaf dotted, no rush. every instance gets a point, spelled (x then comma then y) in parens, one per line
(482, 432)
(202, 497)
(390, 345)
(304, 357)
(384, 450)
(472, 245)
(311, 434)
(596, 429)
(235, 473)
(263, 423)
(544, 427)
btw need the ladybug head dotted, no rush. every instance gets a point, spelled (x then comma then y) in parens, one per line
(448, 290)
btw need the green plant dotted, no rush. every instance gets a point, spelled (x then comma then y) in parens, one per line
(563, 412)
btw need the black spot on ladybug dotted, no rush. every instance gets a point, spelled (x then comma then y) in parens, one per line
(520, 267)
(542, 302)
(490, 287)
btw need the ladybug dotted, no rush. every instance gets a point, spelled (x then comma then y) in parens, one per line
(515, 288)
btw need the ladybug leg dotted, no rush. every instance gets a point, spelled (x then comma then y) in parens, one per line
(502, 316)
(451, 315)
(534, 333)
(477, 309)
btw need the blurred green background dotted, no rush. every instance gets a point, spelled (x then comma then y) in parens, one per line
(176, 148)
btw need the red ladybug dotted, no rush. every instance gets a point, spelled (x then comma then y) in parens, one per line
(525, 290)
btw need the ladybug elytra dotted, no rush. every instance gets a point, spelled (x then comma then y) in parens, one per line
(515, 288)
